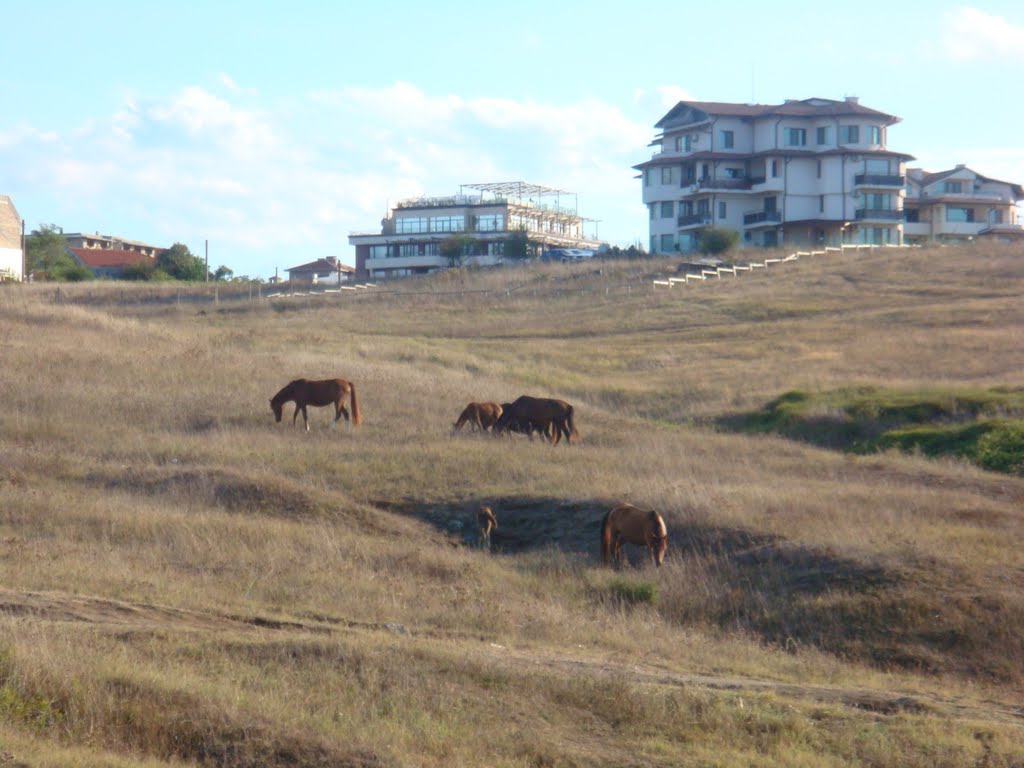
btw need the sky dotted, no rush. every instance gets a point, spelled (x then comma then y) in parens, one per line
(263, 134)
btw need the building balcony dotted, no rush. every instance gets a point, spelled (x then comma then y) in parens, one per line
(725, 183)
(762, 218)
(879, 214)
(878, 180)
(694, 220)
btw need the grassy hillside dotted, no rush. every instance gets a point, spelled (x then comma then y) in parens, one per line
(183, 581)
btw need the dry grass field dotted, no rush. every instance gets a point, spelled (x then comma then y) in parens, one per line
(185, 582)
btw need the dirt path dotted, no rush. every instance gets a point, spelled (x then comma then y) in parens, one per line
(141, 617)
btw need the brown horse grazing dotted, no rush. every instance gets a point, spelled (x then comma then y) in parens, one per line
(480, 416)
(553, 418)
(626, 523)
(304, 392)
(486, 522)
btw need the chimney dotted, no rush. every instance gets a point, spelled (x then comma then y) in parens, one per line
(852, 100)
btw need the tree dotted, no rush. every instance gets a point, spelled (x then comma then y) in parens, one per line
(518, 246)
(716, 241)
(223, 274)
(455, 247)
(179, 263)
(46, 251)
(143, 270)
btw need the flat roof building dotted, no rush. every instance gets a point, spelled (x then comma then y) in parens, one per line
(483, 225)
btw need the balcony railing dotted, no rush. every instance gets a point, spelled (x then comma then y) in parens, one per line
(885, 214)
(689, 220)
(878, 180)
(711, 183)
(762, 217)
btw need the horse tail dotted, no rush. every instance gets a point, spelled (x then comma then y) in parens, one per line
(606, 537)
(573, 436)
(356, 418)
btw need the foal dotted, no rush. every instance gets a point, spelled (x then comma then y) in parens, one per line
(486, 522)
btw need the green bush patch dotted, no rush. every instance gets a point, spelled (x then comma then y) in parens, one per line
(982, 426)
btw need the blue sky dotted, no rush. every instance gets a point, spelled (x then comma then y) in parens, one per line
(274, 130)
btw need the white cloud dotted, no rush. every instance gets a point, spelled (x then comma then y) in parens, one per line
(969, 34)
(270, 184)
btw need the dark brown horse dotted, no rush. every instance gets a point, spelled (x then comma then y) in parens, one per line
(480, 416)
(304, 392)
(626, 523)
(552, 418)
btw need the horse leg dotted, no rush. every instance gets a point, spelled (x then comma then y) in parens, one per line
(305, 418)
(296, 414)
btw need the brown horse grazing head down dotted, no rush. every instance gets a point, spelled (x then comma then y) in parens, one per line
(552, 418)
(304, 392)
(480, 416)
(626, 523)
(486, 522)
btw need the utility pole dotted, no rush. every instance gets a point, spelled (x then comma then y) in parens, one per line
(206, 247)
(24, 254)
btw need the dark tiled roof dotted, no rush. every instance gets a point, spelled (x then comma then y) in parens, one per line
(321, 265)
(804, 108)
(100, 258)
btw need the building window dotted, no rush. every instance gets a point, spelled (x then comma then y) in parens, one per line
(953, 187)
(823, 135)
(775, 168)
(821, 203)
(794, 137)
(490, 222)
(667, 243)
(687, 143)
(819, 169)
(667, 211)
(653, 207)
(877, 201)
(727, 139)
(874, 135)
(411, 226)
(679, 143)
(447, 223)
(959, 215)
(647, 177)
(378, 252)
(911, 215)
(875, 235)
(721, 209)
(849, 134)
(666, 175)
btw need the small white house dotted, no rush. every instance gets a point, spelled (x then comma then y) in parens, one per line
(11, 254)
(326, 271)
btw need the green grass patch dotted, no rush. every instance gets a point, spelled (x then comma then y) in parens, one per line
(983, 426)
(633, 592)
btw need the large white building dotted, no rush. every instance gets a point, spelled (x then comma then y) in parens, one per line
(960, 205)
(811, 172)
(417, 235)
(11, 254)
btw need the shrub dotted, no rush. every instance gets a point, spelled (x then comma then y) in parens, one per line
(1002, 448)
(715, 241)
